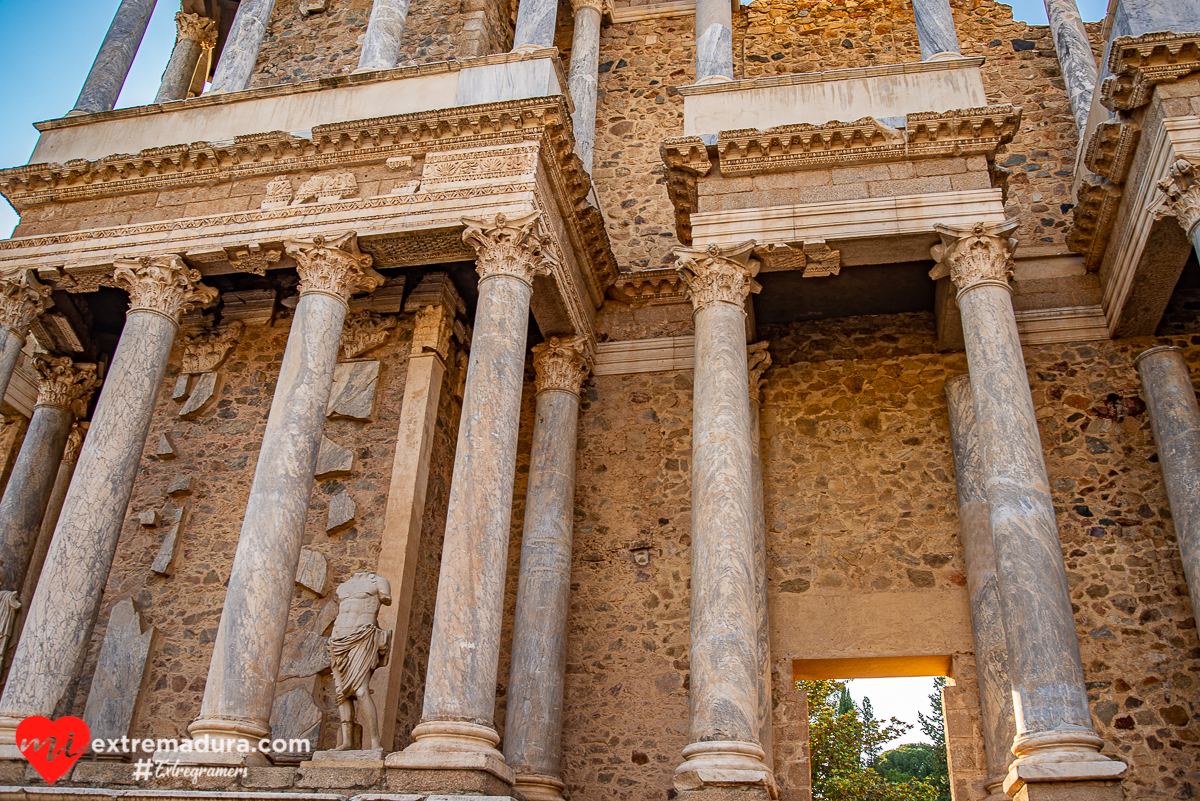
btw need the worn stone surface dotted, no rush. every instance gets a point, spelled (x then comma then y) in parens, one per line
(354, 387)
(935, 27)
(333, 460)
(313, 571)
(182, 485)
(166, 448)
(714, 41)
(164, 561)
(203, 390)
(296, 716)
(342, 510)
(120, 673)
(107, 76)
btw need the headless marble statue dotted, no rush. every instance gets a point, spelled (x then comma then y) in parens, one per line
(357, 646)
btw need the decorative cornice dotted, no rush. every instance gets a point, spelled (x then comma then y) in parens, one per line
(334, 267)
(22, 299)
(978, 255)
(63, 383)
(1182, 188)
(163, 285)
(516, 246)
(1112, 146)
(1139, 63)
(205, 351)
(563, 363)
(1097, 201)
(718, 275)
(649, 288)
(759, 359)
(196, 28)
(364, 331)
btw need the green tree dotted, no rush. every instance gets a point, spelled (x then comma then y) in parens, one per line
(934, 727)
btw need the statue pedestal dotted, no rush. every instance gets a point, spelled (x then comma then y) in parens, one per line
(358, 758)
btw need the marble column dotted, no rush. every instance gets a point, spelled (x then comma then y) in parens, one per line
(22, 299)
(533, 724)
(1182, 190)
(194, 33)
(111, 67)
(714, 41)
(1055, 739)
(759, 359)
(385, 30)
(1175, 418)
(536, 21)
(240, 53)
(991, 648)
(724, 726)
(59, 623)
(584, 77)
(64, 390)
(935, 29)
(249, 644)
(456, 730)
(1075, 57)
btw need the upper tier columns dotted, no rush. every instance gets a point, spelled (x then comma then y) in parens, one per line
(194, 34)
(991, 649)
(22, 299)
(533, 726)
(714, 41)
(59, 623)
(536, 20)
(111, 67)
(724, 747)
(385, 30)
(1182, 188)
(1055, 740)
(935, 29)
(240, 53)
(456, 730)
(1176, 421)
(583, 80)
(1074, 57)
(249, 643)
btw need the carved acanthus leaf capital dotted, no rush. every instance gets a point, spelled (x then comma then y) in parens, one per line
(205, 351)
(516, 246)
(333, 266)
(1182, 188)
(970, 256)
(196, 28)
(62, 382)
(365, 331)
(162, 284)
(563, 363)
(759, 359)
(718, 275)
(74, 442)
(601, 6)
(22, 299)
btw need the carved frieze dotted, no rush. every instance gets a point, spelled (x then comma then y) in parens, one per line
(333, 266)
(326, 189)
(820, 260)
(514, 246)
(364, 331)
(162, 284)
(982, 253)
(207, 351)
(718, 275)
(63, 383)
(563, 363)
(649, 288)
(445, 169)
(22, 299)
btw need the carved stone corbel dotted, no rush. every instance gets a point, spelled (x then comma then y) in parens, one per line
(364, 331)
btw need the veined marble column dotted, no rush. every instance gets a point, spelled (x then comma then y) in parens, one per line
(1175, 419)
(456, 731)
(536, 20)
(533, 724)
(240, 53)
(111, 67)
(759, 359)
(1055, 740)
(584, 77)
(991, 648)
(194, 34)
(22, 299)
(249, 643)
(385, 30)
(1182, 188)
(58, 625)
(64, 390)
(1075, 57)
(935, 29)
(714, 41)
(723, 747)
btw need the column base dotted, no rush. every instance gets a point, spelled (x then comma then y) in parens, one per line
(1071, 791)
(539, 787)
(1039, 780)
(723, 766)
(451, 757)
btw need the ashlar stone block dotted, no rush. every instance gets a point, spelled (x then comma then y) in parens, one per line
(342, 510)
(120, 673)
(334, 460)
(164, 562)
(149, 518)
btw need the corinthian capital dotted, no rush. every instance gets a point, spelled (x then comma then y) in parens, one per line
(74, 442)
(196, 28)
(563, 363)
(971, 256)
(205, 351)
(718, 275)
(1182, 188)
(163, 285)
(62, 382)
(516, 246)
(22, 299)
(333, 267)
(759, 359)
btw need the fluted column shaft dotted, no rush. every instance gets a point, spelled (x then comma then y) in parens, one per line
(63, 387)
(584, 77)
(714, 41)
(240, 53)
(249, 643)
(991, 648)
(1175, 418)
(194, 33)
(1054, 723)
(22, 299)
(759, 360)
(724, 725)
(935, 28)
(111, 67)
(62, 613)
(385, 31)
(1075, 57)
(533, 724)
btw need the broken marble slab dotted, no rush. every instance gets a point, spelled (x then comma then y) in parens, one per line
(204, 390)
(120, 674)
(354, 385)
(296, 716)
(149, 518)
(180, 393)
(166, 448)
(341, 513)
(304, 654)
(334, 460)
(164, 562)
(313, 571)
(181, 485)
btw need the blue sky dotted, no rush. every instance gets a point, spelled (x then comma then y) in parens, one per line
(43, 73)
